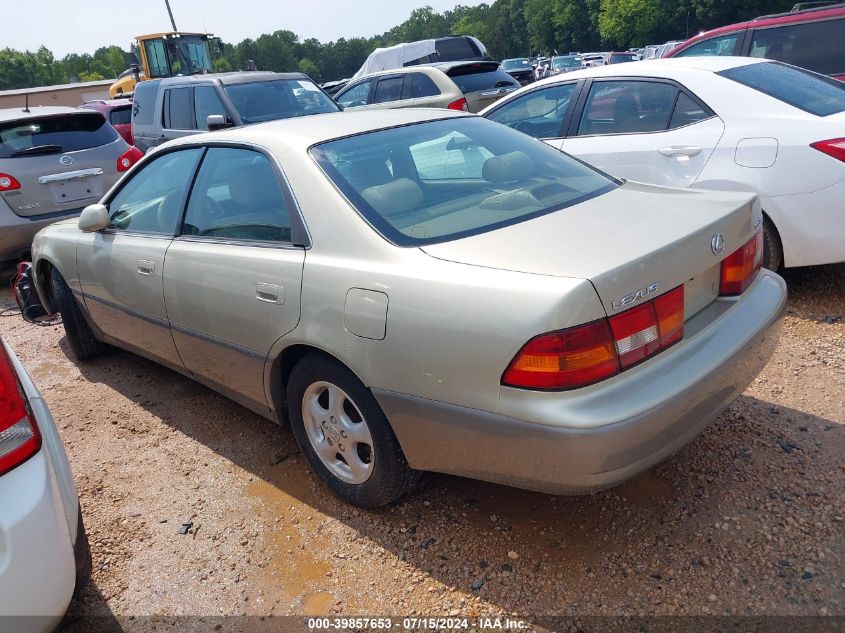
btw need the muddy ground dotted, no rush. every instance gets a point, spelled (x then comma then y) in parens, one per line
(747, 519)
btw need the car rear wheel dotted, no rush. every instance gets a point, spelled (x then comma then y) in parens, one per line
(344, 434)
(772, 250)
(83, 343)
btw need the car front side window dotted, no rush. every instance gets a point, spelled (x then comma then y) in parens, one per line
(357, 95)
(153, 198)
(539, 113)
(237, 197)
(715, 46)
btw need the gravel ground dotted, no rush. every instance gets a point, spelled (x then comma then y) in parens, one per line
(748, 519)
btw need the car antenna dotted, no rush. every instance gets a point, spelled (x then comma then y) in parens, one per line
(26, 103)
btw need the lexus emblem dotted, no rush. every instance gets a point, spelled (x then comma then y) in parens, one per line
(66, 160)
(717, 244)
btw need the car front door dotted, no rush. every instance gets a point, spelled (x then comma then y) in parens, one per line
(233, 276)
(120, 268)
(644, 130)
(388, 93)
(357, 95)
(178, 110)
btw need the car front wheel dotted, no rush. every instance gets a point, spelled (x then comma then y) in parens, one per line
(83, 343)
(344, 434)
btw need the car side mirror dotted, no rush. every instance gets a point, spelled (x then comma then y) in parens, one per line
(217, 122)
(94, 217)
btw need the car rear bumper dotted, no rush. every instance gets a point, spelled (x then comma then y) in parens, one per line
(593, 438)
(16, 232)
(37, 567)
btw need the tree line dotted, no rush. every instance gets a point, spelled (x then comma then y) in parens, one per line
(509, 28)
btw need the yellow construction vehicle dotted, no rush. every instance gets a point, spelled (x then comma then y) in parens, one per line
(165, 55)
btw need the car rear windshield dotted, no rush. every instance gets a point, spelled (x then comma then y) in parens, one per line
(516, 64)
(121, 116)
(258, 101)
(54, 134)
(800, 88)
(566, 62)
(474, 77)
(443, 180)
(456, 48)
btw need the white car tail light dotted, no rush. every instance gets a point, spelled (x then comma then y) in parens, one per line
(19, 436)
(834, 147)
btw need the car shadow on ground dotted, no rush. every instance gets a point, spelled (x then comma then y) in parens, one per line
(662, 533)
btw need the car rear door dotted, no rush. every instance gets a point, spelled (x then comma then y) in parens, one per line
(232, 278)
(62, 162)
(646, 130)
(120, 268)
(356, 95)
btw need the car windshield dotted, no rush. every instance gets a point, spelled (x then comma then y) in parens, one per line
(54, 134)
(258, 101)
(566, 62)
(800, 88)
(442, 180)
(516, 64)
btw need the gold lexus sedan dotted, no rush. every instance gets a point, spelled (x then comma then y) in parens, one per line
(425, 290)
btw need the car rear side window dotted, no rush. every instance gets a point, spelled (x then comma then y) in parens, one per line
(237, 196)
(151, 201)
(687, 111)
(473, 78)
(121, 116)
(715, 46)
(388, 89)
(179, 109)
(144, 102)
(54, 134)
(421, 86)
(626, 107)
(816, 46)
(799, 88)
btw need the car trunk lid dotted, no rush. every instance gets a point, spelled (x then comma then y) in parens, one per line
(632, 244)
(62, 161)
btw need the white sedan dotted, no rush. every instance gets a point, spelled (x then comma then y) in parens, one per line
(43, 548)
(726, 123)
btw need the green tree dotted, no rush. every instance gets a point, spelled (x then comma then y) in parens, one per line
(307, 67)
(623, 23)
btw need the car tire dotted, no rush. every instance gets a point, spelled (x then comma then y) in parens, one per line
(345, 436)
(772, 249)
(82, 555)
(83, 343)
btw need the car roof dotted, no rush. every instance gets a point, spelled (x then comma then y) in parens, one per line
(17, 114)
(667, 68)
(300, 133)
(428, 69)
(819, 13)
(238, 77)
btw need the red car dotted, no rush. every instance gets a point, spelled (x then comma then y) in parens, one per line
(118, 112)
(813, 39)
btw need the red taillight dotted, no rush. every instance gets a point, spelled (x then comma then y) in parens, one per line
(834, 147)
(129, 158)
(586, 354)
(19, 436)
(460, 104)
(741, 267)
(8, 183)
(566, 359)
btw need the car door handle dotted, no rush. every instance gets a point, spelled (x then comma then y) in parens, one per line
(680, 150)
(269, 293)
(146, 267)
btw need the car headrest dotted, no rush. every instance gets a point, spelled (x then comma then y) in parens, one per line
(507, 167)
(394, 197)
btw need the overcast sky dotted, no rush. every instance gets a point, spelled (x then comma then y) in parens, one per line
(82, 26)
